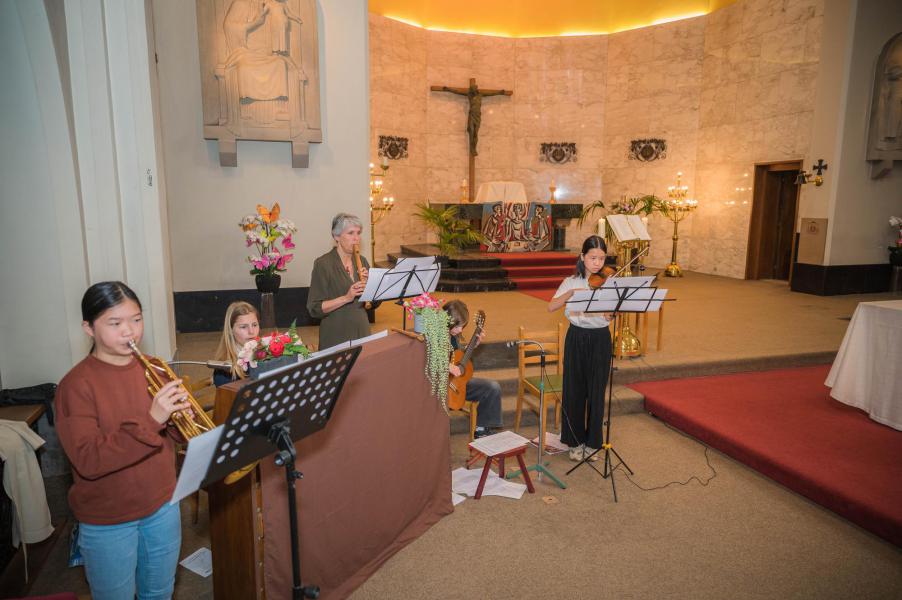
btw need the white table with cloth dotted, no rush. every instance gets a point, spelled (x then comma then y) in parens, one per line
(867, 371)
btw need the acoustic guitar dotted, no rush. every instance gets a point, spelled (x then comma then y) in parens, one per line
(457, 386)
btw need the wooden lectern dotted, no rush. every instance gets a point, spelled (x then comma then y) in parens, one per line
(363, 489)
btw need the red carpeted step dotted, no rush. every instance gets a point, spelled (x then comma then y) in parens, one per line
(533, 258)
(537, 283)
(785, 425)
(559, 271)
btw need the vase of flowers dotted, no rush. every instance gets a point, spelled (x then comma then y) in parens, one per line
(272, 351)
(433, 324)
(265, 231)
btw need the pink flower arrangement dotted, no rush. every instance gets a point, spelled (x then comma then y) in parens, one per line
(270, 346)
(263, 230)
(421, 303)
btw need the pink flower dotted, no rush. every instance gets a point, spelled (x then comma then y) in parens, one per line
(260, 354)
(284, 338)
(287, 243)
(284, 260)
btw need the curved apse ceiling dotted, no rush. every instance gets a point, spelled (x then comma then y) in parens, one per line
(541, 18)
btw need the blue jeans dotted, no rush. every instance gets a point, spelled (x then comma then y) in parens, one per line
(140, 554)
(487, 393)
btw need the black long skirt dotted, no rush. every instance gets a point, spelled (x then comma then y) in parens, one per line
(587, 357)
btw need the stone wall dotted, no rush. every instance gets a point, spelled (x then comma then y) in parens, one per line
(725, 90)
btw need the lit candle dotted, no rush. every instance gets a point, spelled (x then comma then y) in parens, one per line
(601, 227)
(371, 166)
(463, 182)
(384, 161)
(552, 182)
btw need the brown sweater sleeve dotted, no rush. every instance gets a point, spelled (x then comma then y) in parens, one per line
(92, 452)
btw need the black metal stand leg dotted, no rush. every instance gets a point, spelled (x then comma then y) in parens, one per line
(280, 435)
(608, 469)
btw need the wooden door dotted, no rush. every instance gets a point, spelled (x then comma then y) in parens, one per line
(772, 229)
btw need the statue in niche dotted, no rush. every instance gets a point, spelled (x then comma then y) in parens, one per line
(885, 130)
(259, 74)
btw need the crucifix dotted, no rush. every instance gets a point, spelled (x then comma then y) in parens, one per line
(474, 117)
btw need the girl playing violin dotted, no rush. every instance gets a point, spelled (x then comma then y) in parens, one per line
(587, 354)
(123, 462)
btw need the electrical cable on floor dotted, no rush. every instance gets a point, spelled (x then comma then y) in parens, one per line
(688, 481)
(697, 478)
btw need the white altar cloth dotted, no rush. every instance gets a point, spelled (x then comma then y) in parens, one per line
(501, 191)
(867, 371)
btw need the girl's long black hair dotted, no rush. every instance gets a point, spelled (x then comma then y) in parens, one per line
(593, 241)
(105, 295)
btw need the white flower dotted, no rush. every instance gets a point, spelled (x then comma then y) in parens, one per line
(285, 227)
(895, 221)
(246, 355)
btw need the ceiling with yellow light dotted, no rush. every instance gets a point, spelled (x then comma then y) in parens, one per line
(541, 18)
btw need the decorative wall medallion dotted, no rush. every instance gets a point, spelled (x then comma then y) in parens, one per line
(648, 150)
(392, 147)
(558, 153)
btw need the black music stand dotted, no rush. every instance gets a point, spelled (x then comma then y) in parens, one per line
(616, 299)
(406, 279)
(277, 410)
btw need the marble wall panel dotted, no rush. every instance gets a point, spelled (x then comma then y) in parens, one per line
(725, 90)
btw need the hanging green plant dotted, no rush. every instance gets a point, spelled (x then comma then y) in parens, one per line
(438, 352)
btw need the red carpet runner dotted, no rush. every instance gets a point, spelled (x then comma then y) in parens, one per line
(785, 425)
(536, 274)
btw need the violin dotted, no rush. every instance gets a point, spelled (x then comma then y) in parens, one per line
(596, 280)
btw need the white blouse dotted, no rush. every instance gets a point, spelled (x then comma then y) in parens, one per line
(579, 318)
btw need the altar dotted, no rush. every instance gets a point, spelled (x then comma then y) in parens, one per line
(511, 223)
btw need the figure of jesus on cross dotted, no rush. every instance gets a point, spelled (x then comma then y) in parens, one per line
(474, 118)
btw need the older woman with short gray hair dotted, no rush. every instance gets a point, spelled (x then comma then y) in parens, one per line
(336, 284)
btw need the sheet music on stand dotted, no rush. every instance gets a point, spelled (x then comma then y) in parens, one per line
(625, 294)
(409, 277)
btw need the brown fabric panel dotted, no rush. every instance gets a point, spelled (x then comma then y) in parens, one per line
(375, 478)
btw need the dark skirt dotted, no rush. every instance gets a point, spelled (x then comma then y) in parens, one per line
(587, 358)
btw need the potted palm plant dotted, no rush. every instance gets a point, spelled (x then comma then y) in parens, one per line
(453, 232)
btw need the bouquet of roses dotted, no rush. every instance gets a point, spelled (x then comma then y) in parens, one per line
(897, 223)
(273, 345)
(422, 302)
(263, 230)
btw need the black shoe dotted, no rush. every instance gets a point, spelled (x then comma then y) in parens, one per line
(481, 432)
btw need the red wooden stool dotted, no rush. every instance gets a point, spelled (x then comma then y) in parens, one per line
(518, 452)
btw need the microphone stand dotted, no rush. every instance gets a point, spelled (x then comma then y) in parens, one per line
(539, 467)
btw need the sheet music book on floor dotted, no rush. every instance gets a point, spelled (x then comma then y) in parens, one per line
(498, 443)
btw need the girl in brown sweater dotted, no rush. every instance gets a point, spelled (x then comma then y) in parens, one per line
(123, 461)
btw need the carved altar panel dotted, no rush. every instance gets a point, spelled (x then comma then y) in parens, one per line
(885, 127)
(259, 74)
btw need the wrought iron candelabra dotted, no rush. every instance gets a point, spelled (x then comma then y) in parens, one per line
(380, 205)
(676, 207)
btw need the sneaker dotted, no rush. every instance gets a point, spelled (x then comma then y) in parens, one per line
(481, 432)
(576, 453)
(589, 453)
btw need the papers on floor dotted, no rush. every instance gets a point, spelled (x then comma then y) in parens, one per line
(197, 461)
(553, 444)
(498, 443)
(200, 562)
(465, 481)
(457, 498)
